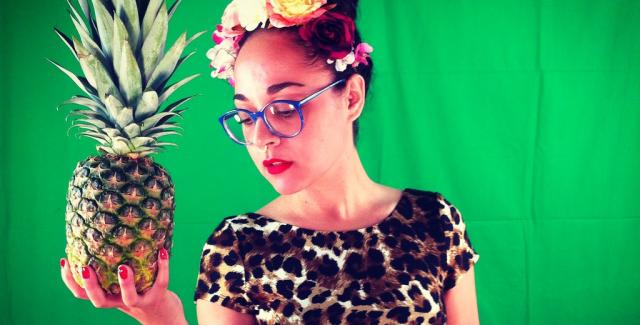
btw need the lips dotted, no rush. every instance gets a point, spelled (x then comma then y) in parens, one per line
(277, 166)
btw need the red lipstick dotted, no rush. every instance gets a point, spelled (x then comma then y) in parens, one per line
(276, 166)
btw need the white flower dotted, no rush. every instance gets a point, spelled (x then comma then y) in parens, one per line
(341, 64)
(222, 73)
(222, 54)
(251, 13)
(222, 58)
(230, 16)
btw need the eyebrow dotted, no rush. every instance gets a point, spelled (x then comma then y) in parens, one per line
(272, 89)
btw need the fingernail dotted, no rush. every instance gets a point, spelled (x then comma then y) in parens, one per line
(85, 272)
(122, 271)
(163, 253)
(62, 262)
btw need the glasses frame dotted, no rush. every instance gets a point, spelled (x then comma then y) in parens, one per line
(297, 104)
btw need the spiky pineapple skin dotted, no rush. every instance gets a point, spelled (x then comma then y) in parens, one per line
(119, 211)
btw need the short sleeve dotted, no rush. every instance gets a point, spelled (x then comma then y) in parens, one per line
(222, 274)
(460, 253)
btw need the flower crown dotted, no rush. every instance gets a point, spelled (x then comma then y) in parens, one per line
(332, 33)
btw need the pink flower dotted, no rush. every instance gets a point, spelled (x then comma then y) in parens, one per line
(362, 53)
(217, 35)
(221, 34)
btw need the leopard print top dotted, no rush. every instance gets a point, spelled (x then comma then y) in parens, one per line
(394, 272)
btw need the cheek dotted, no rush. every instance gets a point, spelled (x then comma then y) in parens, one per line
(325, 113)
(323, 134)
(316, 127)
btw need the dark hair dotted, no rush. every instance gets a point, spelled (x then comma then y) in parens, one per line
(348, 8)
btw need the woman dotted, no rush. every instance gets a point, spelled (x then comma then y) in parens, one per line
(335, 247)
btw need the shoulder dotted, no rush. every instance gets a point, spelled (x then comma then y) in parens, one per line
(435, 210)
(224, 232)
(242, 231)
(428, 201)
(234, 222)
(444, 222)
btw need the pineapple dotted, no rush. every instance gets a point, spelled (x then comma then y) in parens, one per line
(120, 204)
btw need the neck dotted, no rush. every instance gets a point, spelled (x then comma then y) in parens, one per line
(342, 194)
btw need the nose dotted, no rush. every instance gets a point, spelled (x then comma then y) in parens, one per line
(261, 136)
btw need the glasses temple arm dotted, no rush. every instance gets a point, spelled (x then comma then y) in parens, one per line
(317, 93)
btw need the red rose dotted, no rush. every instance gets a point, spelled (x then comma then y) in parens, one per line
(332, 33)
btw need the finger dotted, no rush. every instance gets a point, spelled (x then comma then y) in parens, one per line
(128, 291)
(95, 292)
(162, 278)
(67, 278)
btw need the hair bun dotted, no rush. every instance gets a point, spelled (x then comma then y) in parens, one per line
(347, 7)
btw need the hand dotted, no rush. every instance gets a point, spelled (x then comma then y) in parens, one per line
(156, 306)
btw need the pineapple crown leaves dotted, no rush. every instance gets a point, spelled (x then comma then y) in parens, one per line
(121, 51)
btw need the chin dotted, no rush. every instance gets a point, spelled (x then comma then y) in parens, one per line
(283, 192)
(286, 188)
(286, 185)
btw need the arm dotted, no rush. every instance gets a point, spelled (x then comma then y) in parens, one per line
(214, 314)
(460, 301)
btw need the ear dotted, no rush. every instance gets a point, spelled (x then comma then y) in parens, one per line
(355, 96)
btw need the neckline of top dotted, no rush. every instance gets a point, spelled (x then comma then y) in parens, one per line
(365, 229)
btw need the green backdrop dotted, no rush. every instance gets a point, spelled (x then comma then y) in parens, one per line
(524, 114)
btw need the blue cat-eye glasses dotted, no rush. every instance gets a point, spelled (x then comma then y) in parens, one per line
(282, 117)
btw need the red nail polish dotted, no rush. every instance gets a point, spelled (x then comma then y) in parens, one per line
(62, 262)
(122, 271)
(85, 272)
(163, 254)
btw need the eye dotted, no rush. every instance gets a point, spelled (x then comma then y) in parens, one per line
(285, 113)
(282, 110)
(243, 118)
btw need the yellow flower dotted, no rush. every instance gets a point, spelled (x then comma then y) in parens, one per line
(294, 12)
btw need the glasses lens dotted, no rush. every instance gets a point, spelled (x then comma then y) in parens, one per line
(238, 125)
(284, 118)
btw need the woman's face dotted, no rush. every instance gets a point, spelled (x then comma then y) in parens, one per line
(271, 66)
